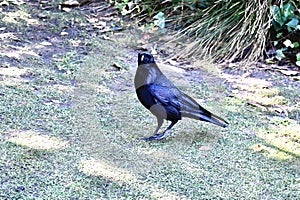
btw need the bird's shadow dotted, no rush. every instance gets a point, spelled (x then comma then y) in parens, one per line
(188, 136)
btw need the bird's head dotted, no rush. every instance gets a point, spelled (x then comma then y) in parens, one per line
(145, 58)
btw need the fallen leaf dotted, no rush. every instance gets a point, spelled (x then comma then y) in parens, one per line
(297, 78)
(258, 148)
(118, 66)
(46, 43)
(253, 103)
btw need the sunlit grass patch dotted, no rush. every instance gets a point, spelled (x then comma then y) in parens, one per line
(11, 76)
(271, 152)
(17, 52)
(13, 71)
(35, 140)
(101, 168)
(8, 36)
(265, 100)
(18, 17)
(259, 93)
(63, 88)
(282, 137)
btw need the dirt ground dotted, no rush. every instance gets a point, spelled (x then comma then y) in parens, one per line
(71, 123)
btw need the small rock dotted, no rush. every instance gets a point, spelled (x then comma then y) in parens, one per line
(64, 33)
(71, 3)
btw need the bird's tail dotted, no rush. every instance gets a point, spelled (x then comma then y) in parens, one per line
(207, 116)
(193, 110)
(218, 121)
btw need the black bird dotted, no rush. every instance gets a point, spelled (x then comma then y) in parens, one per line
(164, 100)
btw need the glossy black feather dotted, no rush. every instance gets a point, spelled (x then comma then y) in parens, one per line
(159, 95)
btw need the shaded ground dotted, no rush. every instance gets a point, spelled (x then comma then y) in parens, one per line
(71, 123)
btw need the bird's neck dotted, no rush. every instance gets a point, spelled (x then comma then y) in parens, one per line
(146, 74)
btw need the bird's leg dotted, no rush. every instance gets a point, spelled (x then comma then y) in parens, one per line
(157, 136)
(159, 124)
(166, 132)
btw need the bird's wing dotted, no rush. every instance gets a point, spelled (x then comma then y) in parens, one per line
(190, 108)
(188, 104)
(188, 101)
(164, 95)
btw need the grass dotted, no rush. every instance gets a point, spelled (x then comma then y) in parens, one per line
(71, 127)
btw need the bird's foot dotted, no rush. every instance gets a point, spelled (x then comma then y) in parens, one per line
(158, 136)
(154, 137)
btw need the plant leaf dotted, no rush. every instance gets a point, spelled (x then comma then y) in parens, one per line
(279, 53)
(293, 23)
(278, 35)
(288, 9)
(160, 20)
(298, 56)
(296, 44)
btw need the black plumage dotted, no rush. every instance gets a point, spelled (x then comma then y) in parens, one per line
(164, 100)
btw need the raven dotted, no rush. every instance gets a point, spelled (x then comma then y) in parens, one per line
(164, 100)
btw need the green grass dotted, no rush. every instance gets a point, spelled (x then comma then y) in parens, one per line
(71, 129)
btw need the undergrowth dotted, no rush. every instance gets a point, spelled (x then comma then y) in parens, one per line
(232, 30)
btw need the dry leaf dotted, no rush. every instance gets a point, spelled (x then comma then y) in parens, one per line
(71, 3)
(253, 103)
(118, 66)
(46, 43)
(258, 148)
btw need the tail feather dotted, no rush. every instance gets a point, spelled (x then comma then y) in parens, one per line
(206, 117)
(218, 121)
(190, 108)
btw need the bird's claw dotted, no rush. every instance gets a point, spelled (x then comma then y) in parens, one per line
(154, 137)
(157, 136)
